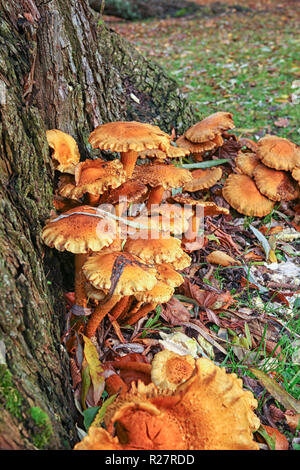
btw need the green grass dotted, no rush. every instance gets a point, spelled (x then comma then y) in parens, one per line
(248, 64)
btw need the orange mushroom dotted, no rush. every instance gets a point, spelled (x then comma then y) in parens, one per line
(275, 184)
(208, 128)
(209, 411)
(66, 154)
(246, 162)
(203, 179)
(129, 138)
(80, 230)
(242, 194)
(161, 177)
(278, 153)
(169, 370)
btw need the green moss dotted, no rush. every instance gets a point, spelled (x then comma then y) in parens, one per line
(9, 395)
(43, 431)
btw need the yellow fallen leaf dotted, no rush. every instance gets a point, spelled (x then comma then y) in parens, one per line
(95, 368)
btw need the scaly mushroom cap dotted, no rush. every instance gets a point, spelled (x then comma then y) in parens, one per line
(130, 191)
(169, 370)
(172, 152)
(120, 272)
(122, 136)
(154, 250)
(242, 194)
(167, 176)
(203, 179)
(209, 127)
(210, 411)
(278, 153)
(167, 274)
(209, 207)
(173, 211)
(79, 230)
(66, 152)
(247, 162)
(201, 147)
(161, 223)
(275, 184)
(159, 294)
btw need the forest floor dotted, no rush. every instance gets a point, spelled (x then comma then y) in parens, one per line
(245, 315)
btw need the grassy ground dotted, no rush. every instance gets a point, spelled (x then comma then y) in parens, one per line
(245, 62)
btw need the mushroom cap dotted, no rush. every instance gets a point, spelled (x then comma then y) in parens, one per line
(66, 152)
(122, 136)
(173, 211)
(221, 258)
(296, 174)
(93, 293)
(171, 152)
(249, 143)
(204, 179)
(130, 191)
(181, 263)
(154, 250)
(159, 294)
(164, 224)
(167, 274)
(209, 207)
(169, 370)
(278, 153)
(277, 185)
(120, 271)
(79, 230)
(247, 162)
(208, 128)
(200, 147)
(210, 411)
(242, 194)
(167, 176)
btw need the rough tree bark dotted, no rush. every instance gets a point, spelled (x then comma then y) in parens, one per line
(57, 70)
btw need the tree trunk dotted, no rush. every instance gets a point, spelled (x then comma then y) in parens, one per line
(57, 70)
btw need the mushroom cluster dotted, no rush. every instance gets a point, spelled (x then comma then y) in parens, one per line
(123, 272)
(266, 174)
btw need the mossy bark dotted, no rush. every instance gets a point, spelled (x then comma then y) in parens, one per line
(56, 71)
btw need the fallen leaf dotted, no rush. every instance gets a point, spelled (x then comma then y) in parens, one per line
(281, 442)
(282, 122)
(293, 420)
(174, 312)
(96, 370)
(277, 391)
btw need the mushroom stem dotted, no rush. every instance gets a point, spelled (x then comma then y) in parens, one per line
(80, 294)
(193, 229)
(120, 307)
(114, 384)
(99, 313)
(155, 196)
(142, 312)
(128, 159)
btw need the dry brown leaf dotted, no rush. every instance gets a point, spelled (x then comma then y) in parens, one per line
(174, 312)
(292, 419)
(281, 442)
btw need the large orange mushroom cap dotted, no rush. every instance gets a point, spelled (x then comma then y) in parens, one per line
(121, 136)
(203, 179)
(79, 230)
(277, 185)
(296, 174)
(130, 191)
(209, 207)
(66, 153)
(171, 152)
(209, 127)
(210, 411)
(242, 194)
(120, 271)
(278, 153)
(129, 138)
(167, 274)
(159, 294)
